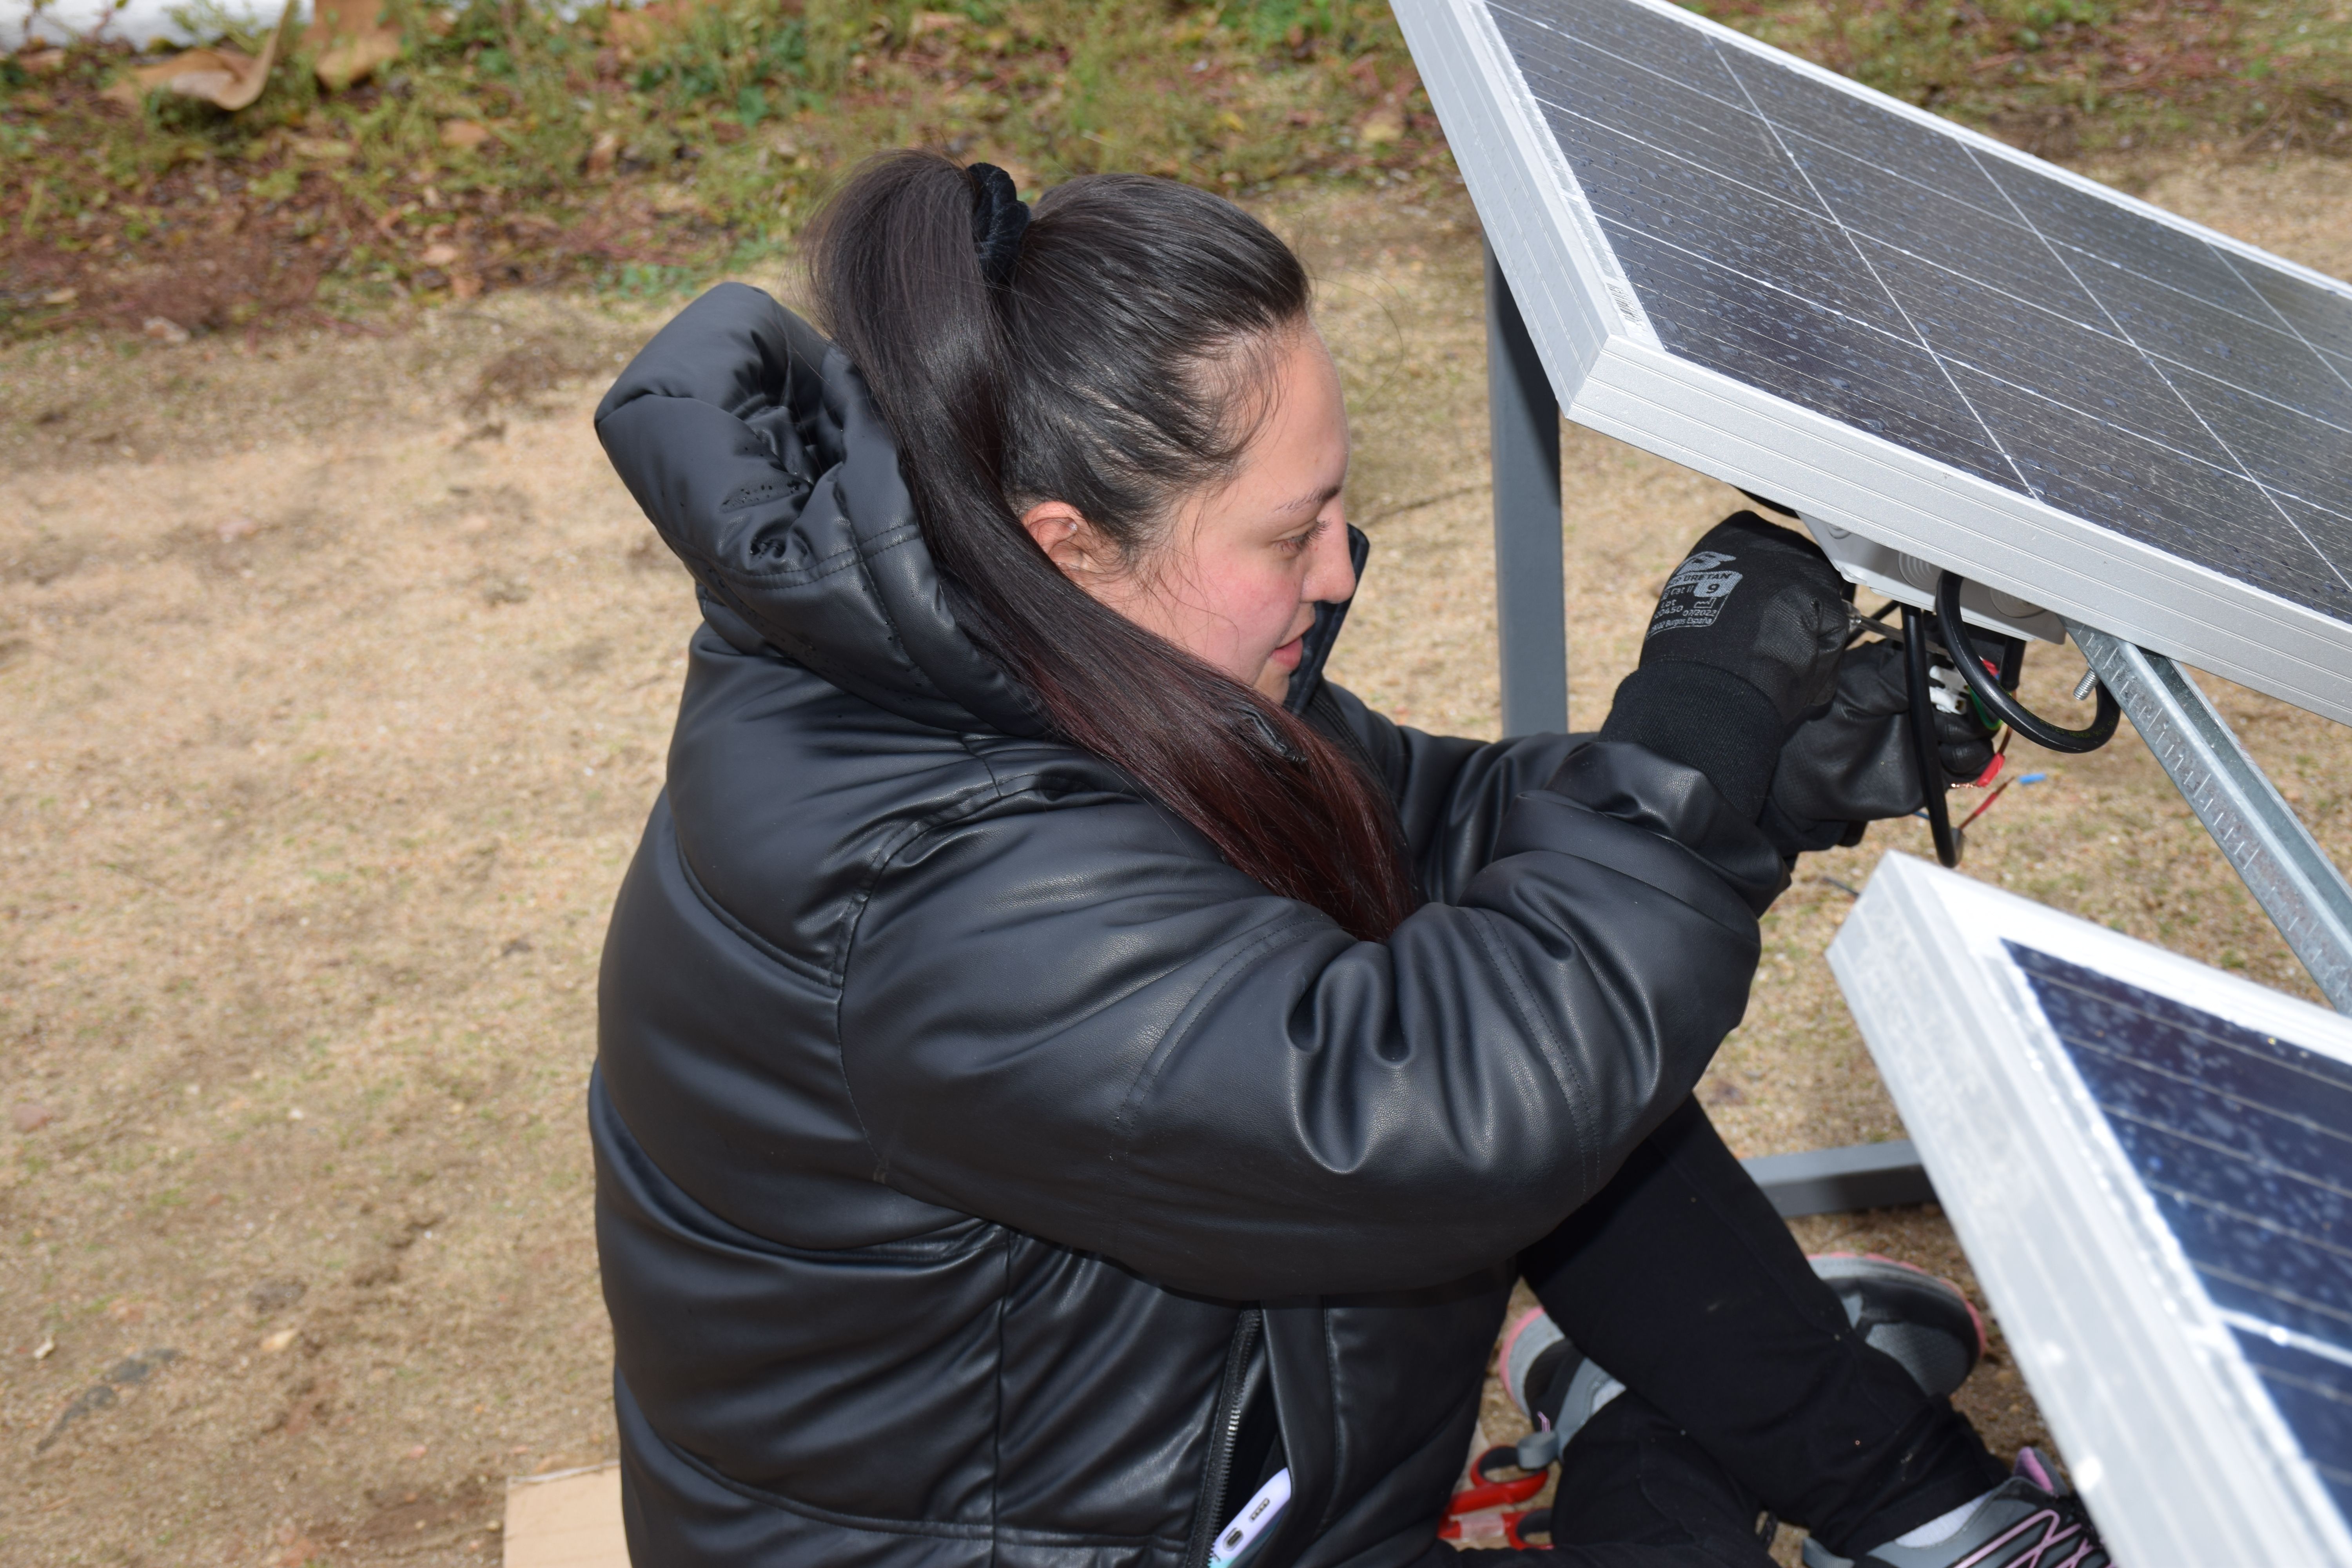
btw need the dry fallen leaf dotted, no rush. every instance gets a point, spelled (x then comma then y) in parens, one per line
(273, 1344)
(227, 79)
(163, 330)
(220, 75)
(600, 156)
(464, 285)
(439, 255)
(637, 29)
(463, 133)
(357, 42)
(1383, 125)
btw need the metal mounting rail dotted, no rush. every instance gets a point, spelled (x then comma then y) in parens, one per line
(2282, 866)
(1832, 1181)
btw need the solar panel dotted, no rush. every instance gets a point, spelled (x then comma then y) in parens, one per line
(1915, 335)
(2149, 1163)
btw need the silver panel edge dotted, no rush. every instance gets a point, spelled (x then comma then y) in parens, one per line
(1506, 154)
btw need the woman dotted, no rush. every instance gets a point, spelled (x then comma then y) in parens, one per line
(1064, 1063)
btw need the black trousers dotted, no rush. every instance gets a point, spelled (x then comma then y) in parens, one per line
(1746, 1389)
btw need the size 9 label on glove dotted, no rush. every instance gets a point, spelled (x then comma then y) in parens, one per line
(1695, 595)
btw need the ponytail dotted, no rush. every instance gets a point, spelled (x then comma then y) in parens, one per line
(1113, 357)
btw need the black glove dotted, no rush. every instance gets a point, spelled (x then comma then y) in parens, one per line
(1853, 765)
(1743, 645)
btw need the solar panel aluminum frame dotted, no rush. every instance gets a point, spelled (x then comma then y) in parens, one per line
(1610, 372)
(2171, 1438)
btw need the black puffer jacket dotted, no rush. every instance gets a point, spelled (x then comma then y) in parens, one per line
(988, 1174)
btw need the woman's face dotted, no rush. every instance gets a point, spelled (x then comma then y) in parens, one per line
(1237, 580)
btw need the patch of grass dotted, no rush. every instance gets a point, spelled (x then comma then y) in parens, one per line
(640, 150)
(2072, 77)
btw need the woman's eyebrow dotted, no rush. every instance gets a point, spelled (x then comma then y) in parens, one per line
(1313, 502)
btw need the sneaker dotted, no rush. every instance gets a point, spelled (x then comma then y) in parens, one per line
(2030, 1520)
(1925, 1323)
(1555, 1385)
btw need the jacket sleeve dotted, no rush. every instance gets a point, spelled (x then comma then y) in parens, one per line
(1077, 1022)
(1452, 794)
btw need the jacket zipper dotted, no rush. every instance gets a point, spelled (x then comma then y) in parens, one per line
(1224, 1431)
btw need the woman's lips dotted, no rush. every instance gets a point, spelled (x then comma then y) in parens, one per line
(1287, 656)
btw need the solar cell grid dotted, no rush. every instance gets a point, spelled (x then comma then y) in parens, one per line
(1890, 388)
(2244, 1142)
(1809, 242)
(2313, 1398)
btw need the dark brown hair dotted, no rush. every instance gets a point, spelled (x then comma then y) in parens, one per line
(1119, 366)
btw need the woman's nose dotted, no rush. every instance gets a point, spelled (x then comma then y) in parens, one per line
(1330, 575)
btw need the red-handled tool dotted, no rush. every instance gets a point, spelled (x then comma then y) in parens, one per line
(1484, 1493)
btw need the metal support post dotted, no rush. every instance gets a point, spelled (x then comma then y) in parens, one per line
(2284, 867)
(1530, 574)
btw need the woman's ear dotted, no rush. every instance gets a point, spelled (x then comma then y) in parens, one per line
(1068, 540)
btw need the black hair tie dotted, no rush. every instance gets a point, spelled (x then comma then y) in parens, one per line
(999, 219)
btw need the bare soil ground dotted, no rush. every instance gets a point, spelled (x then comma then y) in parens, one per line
(334, 685)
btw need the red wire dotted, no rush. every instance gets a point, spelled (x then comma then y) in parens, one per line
(2001, 750)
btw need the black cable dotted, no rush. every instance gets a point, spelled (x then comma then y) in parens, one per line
(1923, 753)
(2007, 708)
(2013, 663)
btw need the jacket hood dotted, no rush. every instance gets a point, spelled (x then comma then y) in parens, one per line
(755, 448)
